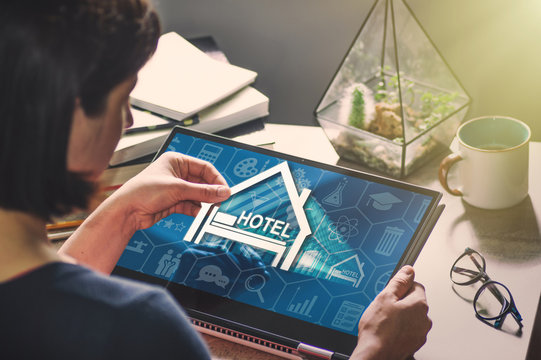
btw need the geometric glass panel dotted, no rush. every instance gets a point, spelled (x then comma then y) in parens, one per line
(393, 102)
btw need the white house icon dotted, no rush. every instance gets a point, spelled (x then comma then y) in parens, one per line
(353, 275)
(210, 220)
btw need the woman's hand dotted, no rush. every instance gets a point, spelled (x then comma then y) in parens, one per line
(395, 325)
(174, 183)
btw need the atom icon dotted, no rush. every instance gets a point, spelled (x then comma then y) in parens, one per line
(343, 229)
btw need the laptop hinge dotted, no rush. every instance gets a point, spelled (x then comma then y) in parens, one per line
(312, 352)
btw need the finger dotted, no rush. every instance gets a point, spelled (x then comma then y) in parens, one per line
(202, 171)
(189, 208)
(415, 294)
(204, 192)
(402, 282)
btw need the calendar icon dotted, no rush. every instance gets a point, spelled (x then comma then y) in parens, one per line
(209, 153)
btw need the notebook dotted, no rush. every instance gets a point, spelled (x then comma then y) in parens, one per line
(246, 105)
(180, 80)
(292, 259)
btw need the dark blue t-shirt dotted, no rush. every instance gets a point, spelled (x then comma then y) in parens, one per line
(65, 311)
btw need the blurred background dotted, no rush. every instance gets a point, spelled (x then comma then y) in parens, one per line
(296, 46)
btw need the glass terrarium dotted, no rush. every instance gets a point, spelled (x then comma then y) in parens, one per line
(394, 102)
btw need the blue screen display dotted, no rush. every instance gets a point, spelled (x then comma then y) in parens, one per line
(294, 239)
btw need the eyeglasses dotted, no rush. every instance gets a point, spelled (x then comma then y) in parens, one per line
(493, 301)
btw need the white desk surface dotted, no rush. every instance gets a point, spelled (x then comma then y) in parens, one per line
(509, 239)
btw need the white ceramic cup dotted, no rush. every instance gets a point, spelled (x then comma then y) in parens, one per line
(492, 161)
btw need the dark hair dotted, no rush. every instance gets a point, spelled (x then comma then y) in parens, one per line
(52, 52)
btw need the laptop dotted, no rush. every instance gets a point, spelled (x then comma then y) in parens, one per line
(291, 260)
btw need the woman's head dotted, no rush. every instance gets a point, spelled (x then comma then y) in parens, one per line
(58, 57)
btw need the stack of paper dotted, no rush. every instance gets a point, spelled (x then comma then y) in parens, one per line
(245, 105)
(183, 85)
(134, 146)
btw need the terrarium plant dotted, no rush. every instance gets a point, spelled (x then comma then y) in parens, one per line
(393, 102)
(422, 109)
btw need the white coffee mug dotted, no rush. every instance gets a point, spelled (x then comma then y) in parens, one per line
(492, 161)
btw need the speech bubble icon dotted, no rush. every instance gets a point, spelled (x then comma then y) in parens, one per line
(209, 273)
(222, 281)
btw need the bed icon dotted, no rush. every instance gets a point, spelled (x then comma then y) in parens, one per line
(260, 231)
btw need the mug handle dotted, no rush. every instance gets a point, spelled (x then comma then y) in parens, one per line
(445, 165)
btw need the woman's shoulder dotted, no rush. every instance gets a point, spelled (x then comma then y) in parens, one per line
(138, 318)
(81, 280)
(70, 283)
(77, 280)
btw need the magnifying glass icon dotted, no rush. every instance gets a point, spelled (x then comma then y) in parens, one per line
(255, 283)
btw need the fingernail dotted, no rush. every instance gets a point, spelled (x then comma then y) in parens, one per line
(222, 191)
(408, 270)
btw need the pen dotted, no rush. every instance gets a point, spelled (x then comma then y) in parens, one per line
(110, 188)
(64, 225)
(60, 235)
(75, 223)
(171, 123)
(151, 128)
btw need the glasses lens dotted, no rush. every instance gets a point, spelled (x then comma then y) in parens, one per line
(492, 300)
(468, 268)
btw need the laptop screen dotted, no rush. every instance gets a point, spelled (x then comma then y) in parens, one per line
(304, 240)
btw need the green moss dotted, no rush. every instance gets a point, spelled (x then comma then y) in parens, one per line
(356, 117)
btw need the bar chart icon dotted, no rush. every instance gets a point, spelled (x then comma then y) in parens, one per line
(303, 306)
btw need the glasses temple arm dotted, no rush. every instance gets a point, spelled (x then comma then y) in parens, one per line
(466, 272)
(472, 258)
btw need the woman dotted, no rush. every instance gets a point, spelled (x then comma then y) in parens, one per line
(66, 71)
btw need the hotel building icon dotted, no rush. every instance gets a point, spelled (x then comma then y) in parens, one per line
(349, 270)
(247, 226)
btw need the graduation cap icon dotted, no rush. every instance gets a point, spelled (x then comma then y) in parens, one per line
(383, 201)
